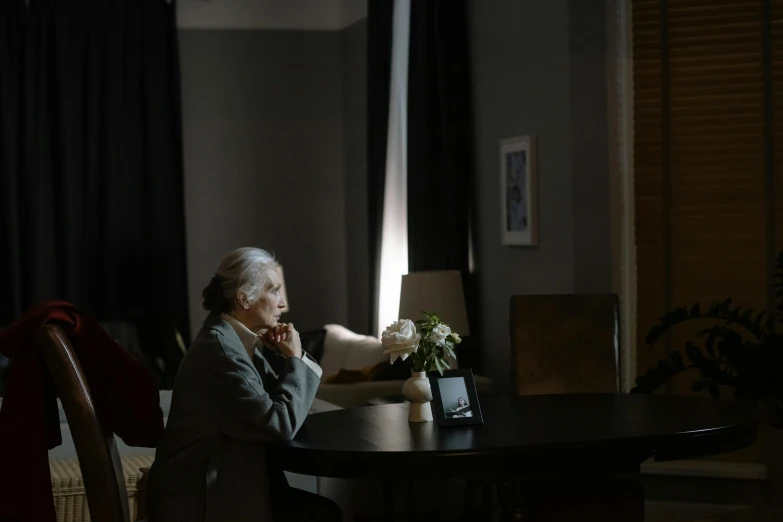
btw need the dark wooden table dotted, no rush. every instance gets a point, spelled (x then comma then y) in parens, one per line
(531, 433)
(565, 435)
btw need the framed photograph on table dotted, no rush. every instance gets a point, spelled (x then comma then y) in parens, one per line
(519, 191)
(454, 400)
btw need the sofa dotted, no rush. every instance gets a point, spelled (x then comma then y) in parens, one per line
(347, 350)
(340, 352)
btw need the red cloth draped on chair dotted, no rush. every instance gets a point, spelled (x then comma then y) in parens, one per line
(125, 394)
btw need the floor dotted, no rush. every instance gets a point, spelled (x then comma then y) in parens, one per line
(662, 511)
(668, 498)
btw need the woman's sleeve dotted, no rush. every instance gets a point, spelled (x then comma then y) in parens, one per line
(250, 413)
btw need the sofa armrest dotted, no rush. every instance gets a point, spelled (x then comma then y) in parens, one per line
(320, 406)
(350, 395)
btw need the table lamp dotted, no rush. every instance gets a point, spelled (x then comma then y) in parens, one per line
(437, 291)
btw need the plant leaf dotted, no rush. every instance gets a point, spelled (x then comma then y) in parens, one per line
(698, 385)
(679, 314)
(709, 344)
(665, 367)
(442, 364)
(655, 333)
(677, 360)
(694, 353)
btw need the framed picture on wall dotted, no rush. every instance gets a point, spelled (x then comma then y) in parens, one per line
(454, 399)
(519, 191)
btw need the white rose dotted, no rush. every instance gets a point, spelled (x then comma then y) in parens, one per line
(455, 338)
(400, 339)
(439, 334)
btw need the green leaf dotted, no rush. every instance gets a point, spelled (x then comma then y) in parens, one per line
(440, 366)
(654, 335)
(693, 353)
(699, 385)
(758, 321)
(710, 344)
(679, 314)
(665, 367)
(677, 360)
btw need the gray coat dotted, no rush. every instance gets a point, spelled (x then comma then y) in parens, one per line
(210, 465)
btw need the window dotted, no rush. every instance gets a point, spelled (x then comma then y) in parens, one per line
(394, 234)
(708, 156)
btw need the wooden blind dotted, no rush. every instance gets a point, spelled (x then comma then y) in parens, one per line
(776, 45)
(707, 127)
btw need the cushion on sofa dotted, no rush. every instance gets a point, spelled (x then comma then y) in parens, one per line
(349, 357)
(344, 349)
(382, 371)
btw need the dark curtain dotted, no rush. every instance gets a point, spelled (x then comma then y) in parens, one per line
(440, 142)
(91, 200)
(379, 46)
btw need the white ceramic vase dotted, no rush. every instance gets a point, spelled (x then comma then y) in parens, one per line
(418, 393)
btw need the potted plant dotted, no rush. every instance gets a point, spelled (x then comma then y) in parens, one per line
(424, 345)
(737, 351)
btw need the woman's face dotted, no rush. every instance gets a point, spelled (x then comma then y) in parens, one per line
(461, 401)
(265, 312)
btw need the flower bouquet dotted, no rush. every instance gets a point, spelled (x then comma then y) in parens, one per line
(425, 346)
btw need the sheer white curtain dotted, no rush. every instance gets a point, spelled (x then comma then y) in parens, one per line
(394, 238)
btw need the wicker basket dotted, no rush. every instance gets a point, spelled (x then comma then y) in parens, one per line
(70, 503)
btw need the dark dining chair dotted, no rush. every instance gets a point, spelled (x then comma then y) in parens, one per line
(100, 464)
(566, 343)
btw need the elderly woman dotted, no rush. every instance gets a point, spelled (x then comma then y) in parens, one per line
(210, 465)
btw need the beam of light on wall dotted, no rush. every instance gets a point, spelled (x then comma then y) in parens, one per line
(394, 238)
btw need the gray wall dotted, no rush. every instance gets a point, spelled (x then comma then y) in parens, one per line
(529, 70)
(262, 120)
(590, 146)
(275, 143)
(353, 54)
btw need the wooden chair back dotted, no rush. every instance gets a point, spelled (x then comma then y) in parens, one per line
(565, 343)
(96, 449)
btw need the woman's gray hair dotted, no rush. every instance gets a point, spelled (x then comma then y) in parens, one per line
(245, 270)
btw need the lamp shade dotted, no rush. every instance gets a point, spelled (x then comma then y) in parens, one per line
(282, 289)
(439, 292)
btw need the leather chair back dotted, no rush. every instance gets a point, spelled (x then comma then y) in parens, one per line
(565, 343)
(104, 482)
